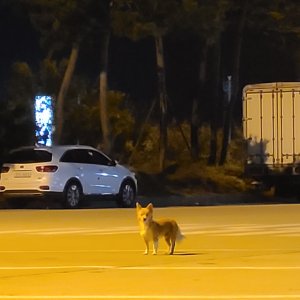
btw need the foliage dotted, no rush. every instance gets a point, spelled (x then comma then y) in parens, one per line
(19, 104)
(141, 18)
(122, 123)
(61, 23)
(83, 118)
(203, 18)
(182, 174)
(178, 151)
(21, 81)
(49, 75)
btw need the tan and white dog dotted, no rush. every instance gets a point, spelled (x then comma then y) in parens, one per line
(152, 230)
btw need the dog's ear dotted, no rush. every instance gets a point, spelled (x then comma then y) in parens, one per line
(150, 206)
(138, 206)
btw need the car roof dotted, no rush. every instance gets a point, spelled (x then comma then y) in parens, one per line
(57, 149)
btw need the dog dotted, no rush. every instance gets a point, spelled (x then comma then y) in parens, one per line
(152, 230)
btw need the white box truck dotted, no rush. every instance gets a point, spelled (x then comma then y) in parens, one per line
(271, 128)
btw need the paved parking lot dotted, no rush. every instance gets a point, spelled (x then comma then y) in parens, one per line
(230, 252)
(160, 201)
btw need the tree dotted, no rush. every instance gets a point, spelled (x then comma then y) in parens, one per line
(63, 91)
(141, 18)
(19, 104)
(206, 20)
(62, 25)
(83, 118)
(104, 119)
(235, 81)
(270, 18)
(285, 14)
(193, 19)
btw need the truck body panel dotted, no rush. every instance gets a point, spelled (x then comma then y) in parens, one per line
(271, 128)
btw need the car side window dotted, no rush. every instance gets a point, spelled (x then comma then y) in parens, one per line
(86, 156)
(67, 156)
(99, 159)
(75, 156)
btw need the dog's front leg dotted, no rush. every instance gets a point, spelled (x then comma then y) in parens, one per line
(155, 246)
(147, 247)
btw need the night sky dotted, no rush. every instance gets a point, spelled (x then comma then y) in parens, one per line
(19, 41)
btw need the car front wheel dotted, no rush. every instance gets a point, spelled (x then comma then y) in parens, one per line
(126, 196)
(72, 195)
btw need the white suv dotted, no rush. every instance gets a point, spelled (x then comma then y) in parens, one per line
(70, 172)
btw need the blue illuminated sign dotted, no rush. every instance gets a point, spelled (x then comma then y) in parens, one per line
(43, 120)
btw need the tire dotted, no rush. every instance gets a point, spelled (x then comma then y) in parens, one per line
(126, 196)
(72, 195)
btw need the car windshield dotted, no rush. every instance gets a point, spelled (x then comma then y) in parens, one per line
(29, 156)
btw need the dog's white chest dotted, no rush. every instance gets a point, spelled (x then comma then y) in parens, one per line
(146, 233)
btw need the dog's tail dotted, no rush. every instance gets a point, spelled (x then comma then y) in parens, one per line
(179, 236)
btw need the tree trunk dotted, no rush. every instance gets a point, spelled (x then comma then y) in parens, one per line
(194, 129)
(104, 122)
(195, 120)
(63, 91)
(235, 85)
(162, 100)
(215, 101)
(226, 132)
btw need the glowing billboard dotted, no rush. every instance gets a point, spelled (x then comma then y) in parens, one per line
(43, 120)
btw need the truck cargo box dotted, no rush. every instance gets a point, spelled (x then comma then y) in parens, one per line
(271, 128)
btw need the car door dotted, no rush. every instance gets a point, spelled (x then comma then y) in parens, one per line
(103, 173)
(75, 163)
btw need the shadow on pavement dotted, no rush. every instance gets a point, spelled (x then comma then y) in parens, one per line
(186, 253)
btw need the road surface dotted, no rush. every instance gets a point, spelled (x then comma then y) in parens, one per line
(230, 252)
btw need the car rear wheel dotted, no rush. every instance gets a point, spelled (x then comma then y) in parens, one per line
(126, 196)
(72, 195)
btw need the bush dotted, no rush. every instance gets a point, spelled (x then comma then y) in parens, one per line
(182, 174)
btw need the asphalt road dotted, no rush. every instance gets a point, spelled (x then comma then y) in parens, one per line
(230, 252)
(208, 199)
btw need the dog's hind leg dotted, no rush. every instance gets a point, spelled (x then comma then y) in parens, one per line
(155, 246)
(172, 247)
(168, 241)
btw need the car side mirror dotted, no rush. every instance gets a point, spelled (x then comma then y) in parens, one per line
(112, 163)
